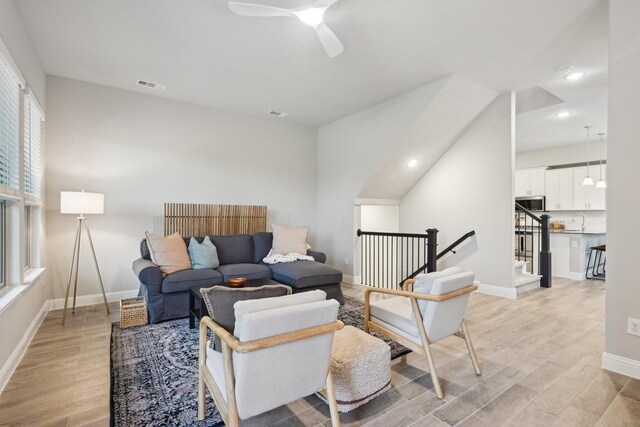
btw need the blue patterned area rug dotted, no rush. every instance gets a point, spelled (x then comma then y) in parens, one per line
(154, 372)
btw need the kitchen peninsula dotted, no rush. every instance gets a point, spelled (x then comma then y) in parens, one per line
(570, 250)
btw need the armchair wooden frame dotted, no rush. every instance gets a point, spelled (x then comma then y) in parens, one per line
(424, 348)
(228, 408)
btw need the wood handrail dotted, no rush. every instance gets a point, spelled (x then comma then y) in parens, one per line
(249, 346)
(421, 296)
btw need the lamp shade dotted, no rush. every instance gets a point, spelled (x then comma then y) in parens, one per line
(80, 202)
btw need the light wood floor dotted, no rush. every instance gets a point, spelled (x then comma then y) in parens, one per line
(540, 357)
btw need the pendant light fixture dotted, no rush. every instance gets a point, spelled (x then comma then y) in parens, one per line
(587, 179)
(601, 182)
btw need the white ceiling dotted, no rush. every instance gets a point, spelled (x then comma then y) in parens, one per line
(207, 55)
(584, 44)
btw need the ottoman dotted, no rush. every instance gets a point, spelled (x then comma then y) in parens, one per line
(361, 368)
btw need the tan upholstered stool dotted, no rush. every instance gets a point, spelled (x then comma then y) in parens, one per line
(361, 367)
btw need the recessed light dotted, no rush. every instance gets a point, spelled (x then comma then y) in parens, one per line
(412, 163)
(575, 75)
(568, 73)
(563, 114)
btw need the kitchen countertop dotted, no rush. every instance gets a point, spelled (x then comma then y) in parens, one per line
(586, 231)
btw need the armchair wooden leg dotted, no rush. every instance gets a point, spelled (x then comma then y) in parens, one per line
(432, 370)
(472, 352)
(331, 398)
(427, 350)
(202, 395)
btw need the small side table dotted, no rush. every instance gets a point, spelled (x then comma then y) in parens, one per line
(197, 307)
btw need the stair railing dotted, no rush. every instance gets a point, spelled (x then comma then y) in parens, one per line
(448, 249)
(530, 229)
(385, 258)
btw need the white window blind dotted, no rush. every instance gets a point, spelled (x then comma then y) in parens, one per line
(9, 128)
(33, 119)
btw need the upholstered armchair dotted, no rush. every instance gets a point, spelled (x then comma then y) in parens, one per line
(426, 310)
(279, 352)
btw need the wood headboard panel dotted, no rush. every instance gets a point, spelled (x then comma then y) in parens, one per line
(191, 219)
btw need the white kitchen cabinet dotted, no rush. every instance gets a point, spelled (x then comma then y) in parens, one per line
(559, 189)
(587, 197)
(536, 182)
(530, 182)
(522, 183)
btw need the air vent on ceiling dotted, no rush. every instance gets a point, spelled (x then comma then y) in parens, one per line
(278, 113)
(151, 85)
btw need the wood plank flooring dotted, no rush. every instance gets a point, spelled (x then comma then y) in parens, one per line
(540, 357)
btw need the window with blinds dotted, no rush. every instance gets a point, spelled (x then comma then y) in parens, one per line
(33, 119)
(9, 129)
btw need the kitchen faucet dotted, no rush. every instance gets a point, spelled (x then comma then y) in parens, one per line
(574, 218)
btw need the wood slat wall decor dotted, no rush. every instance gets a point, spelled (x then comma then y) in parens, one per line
(190, 219)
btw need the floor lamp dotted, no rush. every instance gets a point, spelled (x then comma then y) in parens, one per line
(81, 203)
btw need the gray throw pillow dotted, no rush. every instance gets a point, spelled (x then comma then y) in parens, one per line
(220, 301)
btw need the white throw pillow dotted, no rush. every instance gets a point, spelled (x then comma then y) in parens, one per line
(289, 239)
(168, 252)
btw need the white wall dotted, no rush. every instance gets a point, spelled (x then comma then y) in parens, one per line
(142, 151)
(563, 155)
(350, 151)
(13, 33)
(622, 351)
(365, 155)
(379, 218)
(470, 188)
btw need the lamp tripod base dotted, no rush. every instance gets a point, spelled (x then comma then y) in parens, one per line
(75, 261)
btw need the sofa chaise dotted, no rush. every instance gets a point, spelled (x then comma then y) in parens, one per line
(240, 256)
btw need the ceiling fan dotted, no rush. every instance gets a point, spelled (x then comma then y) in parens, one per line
(312, 16)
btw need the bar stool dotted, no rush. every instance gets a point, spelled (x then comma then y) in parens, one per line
(598, 270)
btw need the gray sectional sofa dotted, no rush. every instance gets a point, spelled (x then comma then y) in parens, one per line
(240, 256)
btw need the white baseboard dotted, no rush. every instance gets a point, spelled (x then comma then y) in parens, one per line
(350, 279)
(58, 303)
(621, 365)
(527, 287)
(18, 352)
(577, 276)
(498, 291)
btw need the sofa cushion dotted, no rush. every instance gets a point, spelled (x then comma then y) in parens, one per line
(305, 274)
(203, 255)
(262, 243)
(250, 271)
(168, 252)
(183, 280)
(237, 249)
(220, 301)
(289, 239)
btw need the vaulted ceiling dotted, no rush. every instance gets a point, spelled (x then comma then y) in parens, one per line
(207, 55)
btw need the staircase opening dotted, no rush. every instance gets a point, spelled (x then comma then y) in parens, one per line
(532, 262)
(388, 259)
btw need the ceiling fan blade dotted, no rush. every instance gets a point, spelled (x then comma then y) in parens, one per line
(247, 9)
(329, 40)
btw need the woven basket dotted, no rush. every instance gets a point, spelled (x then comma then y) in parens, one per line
(133, 312)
